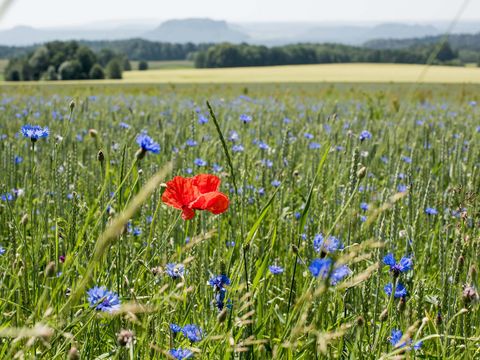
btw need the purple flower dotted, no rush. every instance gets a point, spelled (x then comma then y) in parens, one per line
(175, 271)
(191, 143)
(237, 148)
(365, 135)
(175, 329)
(34, 132)
(431, 211)
(200, 162)
(322, 267)
(396, 337)
(364, 206)
(147, 144)
(314, 146)
(245, 118)
(102, 299)
(192, 332)
(331, 245)
(180, 353)
(276, 183)
(403, 265)
(202, 119)
(275, 269)
(308, 136)
(400, 290)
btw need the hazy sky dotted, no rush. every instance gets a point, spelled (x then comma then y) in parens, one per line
(46, 13)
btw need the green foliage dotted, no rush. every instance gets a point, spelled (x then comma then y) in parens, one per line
(60, 60)
(114, 69)
(142, 65)
(229, 55)
(96, 72)
(70, 70)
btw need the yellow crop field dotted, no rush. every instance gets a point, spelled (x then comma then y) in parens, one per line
(312, 73)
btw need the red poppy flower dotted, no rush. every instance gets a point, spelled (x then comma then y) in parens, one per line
(197, 193)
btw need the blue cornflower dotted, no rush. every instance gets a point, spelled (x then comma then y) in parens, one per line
(147, 144)
(34, 132)
(191, 143)
(245, 118)
(202, 119)
(124, 125)
(403, 265)
(400, 290)
(175, 271)
(136, 231)
(363, 218)
(396, 337)
(233, 136)
(6, 197)
(192, 332)
(263, 145)
(365, 135)
(2, 250)
(308, 136)
(331, 245)
(401, 188)
(276, 183)
(275, 269)
(200, 162)
(18, 160)
(217, 168)
(314, 146)
(175, 329)
(287, 121)
(478, 129)
(180, 353)
(219, 281)
(266, 162)
(237, 148)
(102, 299)
(364, 206)
(431, 211)
(321, 267)
(406, 159)
(261, 191)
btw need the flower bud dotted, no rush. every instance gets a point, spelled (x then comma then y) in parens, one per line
(73, 354)
(93, 133)
(125, 338)
(100, 156)
(362, 172)
(72, 105)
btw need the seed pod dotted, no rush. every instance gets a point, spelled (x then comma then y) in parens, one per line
(361, 172)
(384, 315)
(100, 156)
(73, 354)
(50, 269)
(222, 316)
(24, 219)
(92, 133)
(125, 338)
(72, 105)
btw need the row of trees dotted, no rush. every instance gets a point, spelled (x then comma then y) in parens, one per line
(59, 60)
(229, 55)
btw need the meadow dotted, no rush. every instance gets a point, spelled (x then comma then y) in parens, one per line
(352, 227)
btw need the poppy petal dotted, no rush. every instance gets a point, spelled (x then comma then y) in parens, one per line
(187, 213)
(206, 183)
(215, 202)
(179, 192)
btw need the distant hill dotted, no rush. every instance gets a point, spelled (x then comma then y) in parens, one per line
(356, 35)
(456, 41)
(27, 35)
(196, 31)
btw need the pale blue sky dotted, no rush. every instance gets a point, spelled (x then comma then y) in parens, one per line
(47, 13)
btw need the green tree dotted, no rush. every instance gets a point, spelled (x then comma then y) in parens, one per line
(70, 70)
(143, 65)
(96, 72)
(114, 69)
(126, 64)
(86, 58)
(50, 74)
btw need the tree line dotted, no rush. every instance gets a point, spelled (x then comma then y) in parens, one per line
(69, 60)
(230, 55)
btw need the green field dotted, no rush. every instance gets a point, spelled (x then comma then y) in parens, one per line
(326, 182)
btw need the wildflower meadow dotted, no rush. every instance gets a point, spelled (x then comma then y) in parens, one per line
(233, 222)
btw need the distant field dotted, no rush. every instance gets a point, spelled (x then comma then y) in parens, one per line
(312, 73)
(179, 72)
(161, 65)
